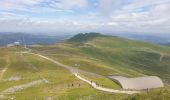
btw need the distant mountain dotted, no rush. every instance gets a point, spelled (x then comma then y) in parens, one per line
(152, 38)
(29, 39)
(166, 44)
(82, 37)
(9, 37)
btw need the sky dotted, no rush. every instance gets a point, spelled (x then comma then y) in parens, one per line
(73, 16)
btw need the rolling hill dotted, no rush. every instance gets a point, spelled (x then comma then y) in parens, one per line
(113, 55)
(96, 55)
(146, 37)
(166, 44)
(28, 77)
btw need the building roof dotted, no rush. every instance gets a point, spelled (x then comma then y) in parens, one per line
(138, 83)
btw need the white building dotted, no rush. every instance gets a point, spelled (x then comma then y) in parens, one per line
(17, 43)
(10, 45)
(14, 44)
(139, 83)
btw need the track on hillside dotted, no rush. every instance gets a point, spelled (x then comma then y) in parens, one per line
(74, 72)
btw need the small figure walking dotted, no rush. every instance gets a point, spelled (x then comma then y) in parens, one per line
(147, 90)
(97, 84)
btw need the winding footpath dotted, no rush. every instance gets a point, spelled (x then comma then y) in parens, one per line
(2, 72)
(94, 85)
(74, 71)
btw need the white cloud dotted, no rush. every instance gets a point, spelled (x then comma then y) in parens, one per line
(30, 25)
(110, 15)
(138, 15)
(69, 4)
(41, 6)
(12, 4)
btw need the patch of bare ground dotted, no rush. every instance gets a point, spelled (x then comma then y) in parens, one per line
(14, 89)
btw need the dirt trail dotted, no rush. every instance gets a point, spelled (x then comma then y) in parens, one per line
(2, 72)
(21, 87)
(14, 89)
(94, 85)
(74, 71)
(161, 57)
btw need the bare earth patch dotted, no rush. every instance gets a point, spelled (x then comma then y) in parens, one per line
(20, 87)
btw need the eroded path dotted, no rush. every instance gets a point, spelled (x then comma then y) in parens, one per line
(10, 90)
(21, 87)
(74, 71)
(94, 85)
(2, 72)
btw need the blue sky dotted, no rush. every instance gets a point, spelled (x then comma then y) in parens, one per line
(73, 16)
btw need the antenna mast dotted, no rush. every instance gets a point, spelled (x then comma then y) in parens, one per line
(23, 38)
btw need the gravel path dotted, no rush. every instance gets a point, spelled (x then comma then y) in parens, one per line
(94, 85)
(2, 72)
(74, 71)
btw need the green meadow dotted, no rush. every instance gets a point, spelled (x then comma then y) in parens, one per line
(97, 57)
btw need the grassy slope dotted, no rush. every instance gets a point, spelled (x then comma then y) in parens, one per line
(113, 56)
(101, 55)
(60, 79)
(106, 55)
(127, 54)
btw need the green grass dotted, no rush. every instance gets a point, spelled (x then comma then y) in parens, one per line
(2, 63)
(60, 80)
(102, 55)
(101, 81)
(113, 56)
(106, 55)
(156, 94)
